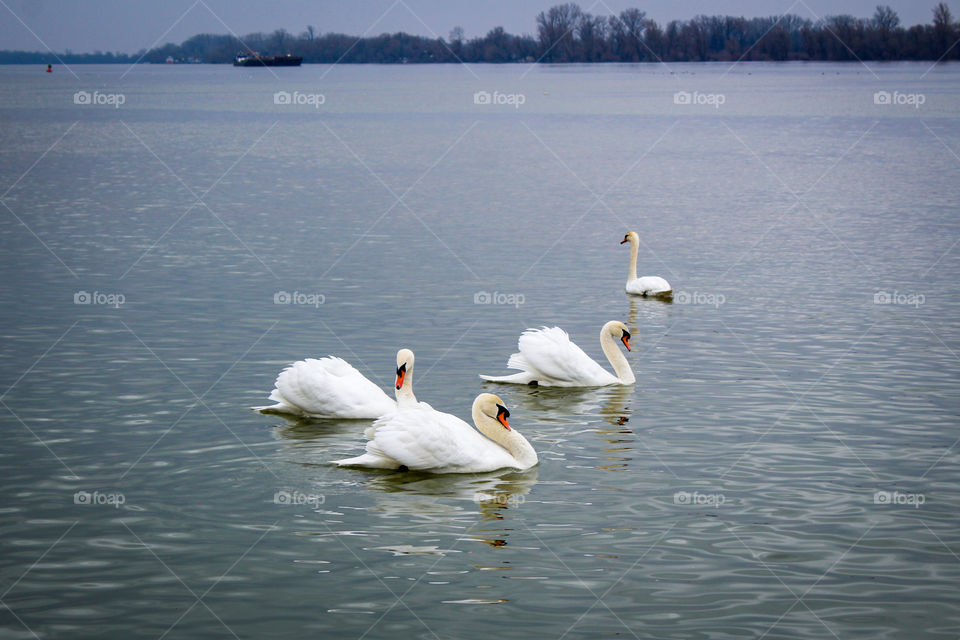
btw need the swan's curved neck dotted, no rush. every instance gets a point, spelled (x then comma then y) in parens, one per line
(632, 274)
(515, 444)
(404, 394)
(617, 360)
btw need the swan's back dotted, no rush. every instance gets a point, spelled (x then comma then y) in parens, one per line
(648, 286)
(423, 439)
(555, 360)
(330, 387)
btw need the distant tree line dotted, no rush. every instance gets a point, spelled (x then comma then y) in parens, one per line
(566, 33)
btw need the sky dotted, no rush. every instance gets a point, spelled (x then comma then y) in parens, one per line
(128, 26)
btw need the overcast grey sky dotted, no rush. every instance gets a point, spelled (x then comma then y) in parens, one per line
(131, 25)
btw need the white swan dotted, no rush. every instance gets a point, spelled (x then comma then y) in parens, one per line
(423, 439)
(548, 358)
(647, 285)
(331, 388)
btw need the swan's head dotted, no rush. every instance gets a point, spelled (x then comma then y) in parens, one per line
(404, 366)
(493, 407)
(631, 237)
(618, 331)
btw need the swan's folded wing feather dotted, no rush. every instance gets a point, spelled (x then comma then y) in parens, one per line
(425, 439)
(330, 386)
(550, 353)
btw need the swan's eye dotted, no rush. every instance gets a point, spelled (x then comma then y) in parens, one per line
(402, 369)
(502, 415)
(626, 334)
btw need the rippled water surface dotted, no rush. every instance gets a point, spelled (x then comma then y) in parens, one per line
(785, 467)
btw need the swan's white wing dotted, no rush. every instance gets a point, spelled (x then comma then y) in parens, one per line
(555, 360)
(648, 285)
(423, 439)
(330, 387)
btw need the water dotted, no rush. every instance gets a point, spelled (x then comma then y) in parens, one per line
(731, 493)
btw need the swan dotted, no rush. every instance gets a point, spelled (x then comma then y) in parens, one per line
(548, 358)
(331, 388)
(422, 439)
(647, 285)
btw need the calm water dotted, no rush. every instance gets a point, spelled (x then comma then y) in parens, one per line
(731, 493)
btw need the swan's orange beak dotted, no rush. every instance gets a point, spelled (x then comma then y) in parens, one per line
(401, 373)
(502, 415)
(625, 239)
(625, 339)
